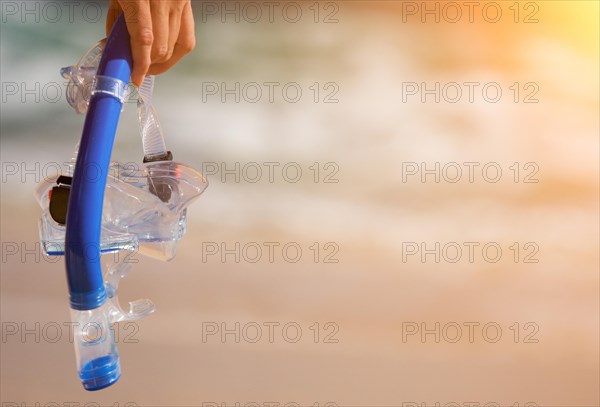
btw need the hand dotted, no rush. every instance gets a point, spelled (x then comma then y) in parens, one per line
(161, 31)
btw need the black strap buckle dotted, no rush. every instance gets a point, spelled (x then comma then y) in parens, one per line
(162, 188)
(59, 199)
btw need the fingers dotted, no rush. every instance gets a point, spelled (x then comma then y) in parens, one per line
(174, 27)
(185, 42)
(139, 24)
(161, 51)
(161, 33)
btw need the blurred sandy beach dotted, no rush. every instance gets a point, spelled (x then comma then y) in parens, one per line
(357, 215)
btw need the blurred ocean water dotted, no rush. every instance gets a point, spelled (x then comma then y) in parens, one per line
(369, 134)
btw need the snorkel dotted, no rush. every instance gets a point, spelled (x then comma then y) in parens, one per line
(107, 207)
(98, 360)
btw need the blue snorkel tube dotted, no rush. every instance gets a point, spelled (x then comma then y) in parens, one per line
(96, 352)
